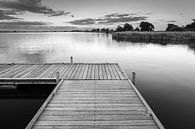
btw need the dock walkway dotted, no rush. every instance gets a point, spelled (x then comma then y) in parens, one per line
(88, 96)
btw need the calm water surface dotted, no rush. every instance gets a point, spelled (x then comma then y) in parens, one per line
(165, 73)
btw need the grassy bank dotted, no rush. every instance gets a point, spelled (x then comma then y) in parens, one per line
(158, 37)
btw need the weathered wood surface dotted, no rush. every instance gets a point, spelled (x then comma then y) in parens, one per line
(95, 104)
(97, 96)
(66, 71)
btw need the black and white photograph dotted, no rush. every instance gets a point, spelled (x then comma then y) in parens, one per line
(97, 64)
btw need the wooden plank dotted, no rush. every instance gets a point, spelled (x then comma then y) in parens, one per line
(94, 127)
(47, 71)
(70, 71)
(104, 72)
(42, 71)
(2, 67)
(13, 81)
(76, 72)
(38, 72)
(82, 72)
(24, 72)
(107, 72)
(97, 72)
(89, 72)
(8, 69)
(66, 71)
(30, 73)
(92, 77)
(79, 72)
(121, 72)
(73, 123)
(59, 67)
(84, 76)
(14, 71)
(118, 123)
(32, 122)
(100, 72)
(114, 71)
(111, 72)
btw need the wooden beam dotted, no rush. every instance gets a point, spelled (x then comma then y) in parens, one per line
(7, 81)
(145, 103)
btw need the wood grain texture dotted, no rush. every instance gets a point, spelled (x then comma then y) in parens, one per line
(95, 104)
(90, 96)
(67, 71)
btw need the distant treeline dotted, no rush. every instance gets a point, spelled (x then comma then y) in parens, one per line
(146, 26)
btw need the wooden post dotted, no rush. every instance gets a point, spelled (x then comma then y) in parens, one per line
(133, 77)
(71, 60)
(57, 77)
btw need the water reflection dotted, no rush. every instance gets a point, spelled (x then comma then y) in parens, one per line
(18, 106)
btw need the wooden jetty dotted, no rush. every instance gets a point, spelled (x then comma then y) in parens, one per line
(87, 96)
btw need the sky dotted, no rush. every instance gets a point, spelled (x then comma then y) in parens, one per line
(73, 14)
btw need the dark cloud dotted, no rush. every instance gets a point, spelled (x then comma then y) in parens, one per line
(109, 19)
(24, 23)
(59, 13)
(148, 13)
(33, 6)
(5, 14)
(121, 19)
(87, 21)
(116, 15)
(168, 21)
(172, 21)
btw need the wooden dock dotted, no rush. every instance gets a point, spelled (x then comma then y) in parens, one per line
(87, 96)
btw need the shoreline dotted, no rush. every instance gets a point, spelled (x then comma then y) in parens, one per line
(158, 37)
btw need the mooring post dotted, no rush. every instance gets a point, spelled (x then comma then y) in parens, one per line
(57, 77)
(133, 77)
(71, 60)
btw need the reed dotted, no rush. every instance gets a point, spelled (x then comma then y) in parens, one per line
(158, 37)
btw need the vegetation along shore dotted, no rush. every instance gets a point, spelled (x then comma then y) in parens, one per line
(145, 33)
(158, 37)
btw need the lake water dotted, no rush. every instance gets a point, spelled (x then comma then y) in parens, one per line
(165, 73)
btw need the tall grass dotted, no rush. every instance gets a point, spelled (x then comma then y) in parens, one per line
(159, 37)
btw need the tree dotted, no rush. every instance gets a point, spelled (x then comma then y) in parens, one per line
(103, 30)
(98, 30)
(119, 28)
(95, 30)
(191, 27)
(137, 29)
(173, 27)
(107, 30)
(127, 27)
(146, 26)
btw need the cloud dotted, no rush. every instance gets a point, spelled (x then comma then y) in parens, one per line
(168, 21)
(109, 19)
(172, 21)
(148, 13)
(25, 23)
(59, 13)
(87, 21)
(33, 6)
(5, 14)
